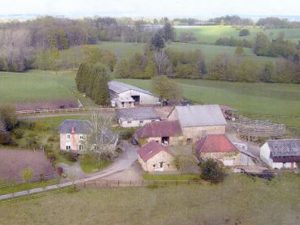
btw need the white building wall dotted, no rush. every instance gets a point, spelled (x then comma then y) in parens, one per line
(135, 123)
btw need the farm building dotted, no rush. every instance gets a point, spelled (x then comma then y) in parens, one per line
(154, 157)
(283, 153)
(126, 96)
(197, 121)
(162, 132)
(136, 117)
(73, 134)
(218, 147)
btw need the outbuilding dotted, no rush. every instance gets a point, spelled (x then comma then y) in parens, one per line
(197, 121)
(284, 153)
(218, 147)
(126, 96)
(154, 157)
(162, 132)
(136, 117)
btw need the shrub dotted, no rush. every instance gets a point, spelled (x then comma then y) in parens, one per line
(18, 134)
(72, 157)
(244, 32)
(212, 171)
(27, 174)
(126, 134)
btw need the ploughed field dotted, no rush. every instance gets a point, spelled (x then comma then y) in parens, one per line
(276, 102)
(239, 200)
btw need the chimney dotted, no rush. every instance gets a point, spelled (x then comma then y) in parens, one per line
(73, 130)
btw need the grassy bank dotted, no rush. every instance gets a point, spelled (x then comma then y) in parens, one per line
(239, 200)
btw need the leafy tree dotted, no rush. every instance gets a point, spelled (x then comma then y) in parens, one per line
(157, 42)
(261, 44)
(27, 174)
(166, 88)
(168, 32)
(212, 171)
(8, 116)
(267, 73)
(123, 69)
(100, 93)
(244, 32)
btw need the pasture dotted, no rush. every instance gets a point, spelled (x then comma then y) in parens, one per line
(36, 86)
(239, 200)
(209, 34)
(276, 102)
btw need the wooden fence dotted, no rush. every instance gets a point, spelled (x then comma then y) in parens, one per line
(141, 183)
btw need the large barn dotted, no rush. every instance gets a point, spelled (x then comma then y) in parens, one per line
(197, 121)
(126, 96)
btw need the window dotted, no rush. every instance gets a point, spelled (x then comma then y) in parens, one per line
(161, 164)
(81, 137)
(189, 140)
(68, 136)
(129, 121)
(154, 165)
(123, 104)
(68, 147)
(80, 147)
(141, 121)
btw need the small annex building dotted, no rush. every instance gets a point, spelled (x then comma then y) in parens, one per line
(73, 134)
(127, 96)
(218, 147)
(154, 157)
(197, 121)
(163, 132)
(280, 154)
(136, 117)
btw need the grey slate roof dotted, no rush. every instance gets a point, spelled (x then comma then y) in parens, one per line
(137, 113)
(119, 87)
(80, 126)
(200, 115)
(284, 147)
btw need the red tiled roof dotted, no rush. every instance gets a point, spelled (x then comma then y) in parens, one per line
(160, 129)
(215, 143)
(151, 149)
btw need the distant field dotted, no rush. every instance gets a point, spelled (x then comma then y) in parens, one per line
(239, 200)
(125, 50)
(277, 102)
(36, 86)
(209, 34)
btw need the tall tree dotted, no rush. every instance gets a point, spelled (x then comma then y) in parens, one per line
(157, 42)
(166, 88)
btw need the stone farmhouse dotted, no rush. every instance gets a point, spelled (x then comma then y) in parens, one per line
(154, 157)
(218, 147)
(162, 132)
(197, 121)
(136, 117)
(127, 96)
(73, 134)
(283, 153)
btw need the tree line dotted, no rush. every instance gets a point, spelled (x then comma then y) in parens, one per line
(92, 80)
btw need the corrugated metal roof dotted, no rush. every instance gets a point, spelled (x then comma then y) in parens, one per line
(119, 87)
(200, 115)
(137, 113)
(284, 148)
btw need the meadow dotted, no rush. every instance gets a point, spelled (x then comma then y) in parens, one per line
(209, 34)
(36, 86)
(239, 200)
(276, 102)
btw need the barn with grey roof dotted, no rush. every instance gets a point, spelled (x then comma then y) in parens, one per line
(198, 121)
(124, 95)
(284, 153)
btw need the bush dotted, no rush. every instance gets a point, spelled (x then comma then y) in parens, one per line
(72, 157)
(126, 134)
(18, 134)
(212, 171)
(244, 32)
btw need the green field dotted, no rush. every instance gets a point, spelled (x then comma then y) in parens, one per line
(36, 86)
(239, 200)
(277, 102)
(209, 34)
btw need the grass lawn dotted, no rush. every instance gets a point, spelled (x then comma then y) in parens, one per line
(6, 188)
(239, 200)
(89, 164)
(277, 102)
(172, 177)
(36, 86)
(209, 34)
